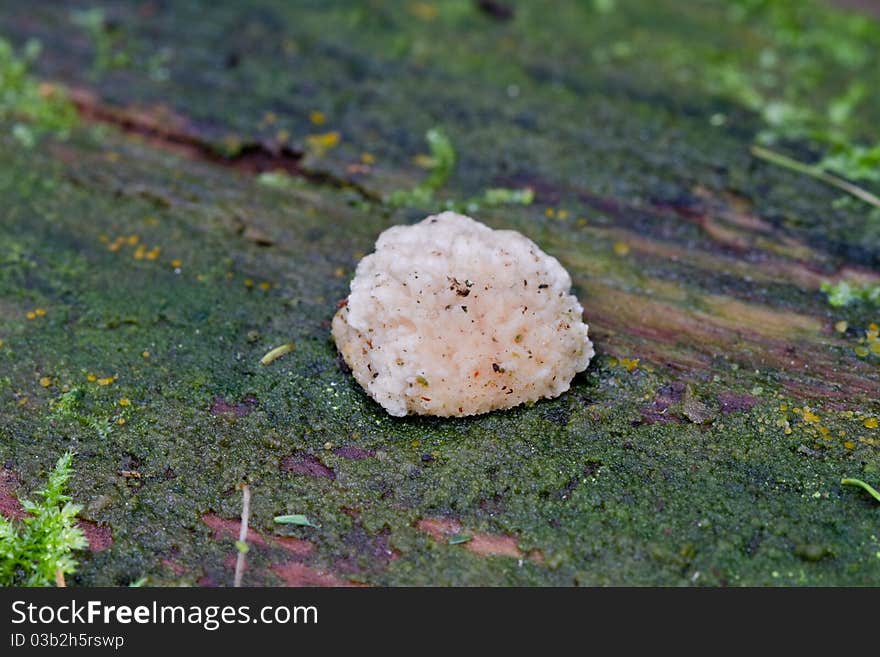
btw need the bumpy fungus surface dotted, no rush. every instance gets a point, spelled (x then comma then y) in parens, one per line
(449, 317)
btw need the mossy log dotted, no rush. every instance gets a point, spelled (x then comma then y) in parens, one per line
(147, 263)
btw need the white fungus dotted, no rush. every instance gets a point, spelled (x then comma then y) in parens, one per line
(449, 317)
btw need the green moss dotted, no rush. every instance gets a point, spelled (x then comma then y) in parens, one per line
(70, 407)
(728, 498)
(845, 293)
(30, 109)
(685, 470)
(38, 550)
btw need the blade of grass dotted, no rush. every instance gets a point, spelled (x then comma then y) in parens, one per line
(815, 172)
(873, 492)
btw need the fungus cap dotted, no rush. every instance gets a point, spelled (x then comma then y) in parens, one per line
(449, 317)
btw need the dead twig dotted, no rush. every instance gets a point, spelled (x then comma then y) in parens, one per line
(241, 543)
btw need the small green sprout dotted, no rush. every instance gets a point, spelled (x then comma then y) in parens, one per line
(37, 550)
(107, 40)
(295, 519)
(279, 180)
(441, 163)
(443, 159)
(34, 109)
(458, 539)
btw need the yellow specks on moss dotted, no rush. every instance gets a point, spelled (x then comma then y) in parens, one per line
(367, 158)
(629, 364)
(231, 143)
(783, 407)
(849, 444)
(621, 249)
(870, 423)
(317, 117)
(562, 214)
(269, 118)
(2, 342)
(91, 378)
(145, 354)
(120, 421)
(265, 286)
(423, 10)
(339, 272)
(870, 344)
(809, 416)
(550, 213)
(125, 401)
(40, 312)
(47, 90)
(176, 264)
(31, 315)
(424, 161)
(141, 250)
(107, 380)
(321, 143)
(841, 326)
(45, 382)
(249, 283)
